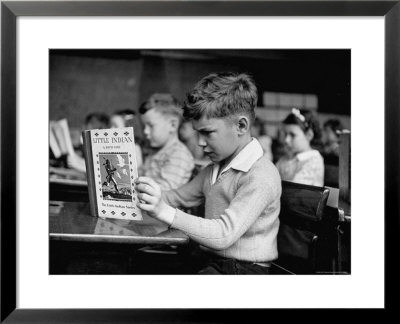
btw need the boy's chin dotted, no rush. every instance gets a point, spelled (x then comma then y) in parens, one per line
(215, 158)
(155, 145)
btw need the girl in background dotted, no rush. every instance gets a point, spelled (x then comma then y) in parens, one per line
(303, 164)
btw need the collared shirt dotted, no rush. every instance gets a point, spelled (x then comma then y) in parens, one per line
(243, 161)
(305, 167)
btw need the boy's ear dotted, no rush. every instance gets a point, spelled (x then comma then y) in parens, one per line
(243, 125)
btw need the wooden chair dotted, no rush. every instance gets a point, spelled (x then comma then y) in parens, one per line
(306, 233)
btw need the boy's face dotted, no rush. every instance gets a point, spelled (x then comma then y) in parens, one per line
(158, 128)
(218, 137)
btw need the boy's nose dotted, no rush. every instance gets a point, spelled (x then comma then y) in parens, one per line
(287, 140)
(201, 141)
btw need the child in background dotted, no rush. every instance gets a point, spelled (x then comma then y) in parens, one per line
(92, 121)
(190, 138)
(258, 131)
(302, 164)
(172, 163)
(332, 129)
(127, 118)
(97, 121)
(241, 190)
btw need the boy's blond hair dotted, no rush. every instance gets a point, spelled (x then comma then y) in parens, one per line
(220, 95)
(164, 103)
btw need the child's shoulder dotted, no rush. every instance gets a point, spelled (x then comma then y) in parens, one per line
(313, 155)
(264, 169)
(178, 149)
(264, 163)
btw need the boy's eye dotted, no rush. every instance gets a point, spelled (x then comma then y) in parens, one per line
(206, 133)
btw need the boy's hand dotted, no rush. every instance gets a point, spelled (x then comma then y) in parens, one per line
(150, 199)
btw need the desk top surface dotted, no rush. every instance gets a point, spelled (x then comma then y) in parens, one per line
(71, 221)
(67, 175)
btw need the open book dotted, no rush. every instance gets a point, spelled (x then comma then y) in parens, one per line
(60, 138)
(111, 170)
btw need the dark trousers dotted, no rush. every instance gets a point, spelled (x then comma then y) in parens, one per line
(202, 262)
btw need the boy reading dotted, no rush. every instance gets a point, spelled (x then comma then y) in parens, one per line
(172, 164)
(241, 189)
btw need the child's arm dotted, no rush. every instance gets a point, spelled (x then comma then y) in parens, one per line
(253, 196)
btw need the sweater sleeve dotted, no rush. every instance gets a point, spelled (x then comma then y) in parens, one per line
(253, 196)
(190, 194)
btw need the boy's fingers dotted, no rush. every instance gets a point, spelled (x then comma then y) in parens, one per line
(144, 207)
(149, 200)
(146, 180)
(145, 188)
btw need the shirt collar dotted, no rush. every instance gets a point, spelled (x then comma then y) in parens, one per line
(245, 159)
(306, 155)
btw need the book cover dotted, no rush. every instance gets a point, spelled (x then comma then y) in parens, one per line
(111, 171)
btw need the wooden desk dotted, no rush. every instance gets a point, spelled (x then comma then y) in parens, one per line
(68, 185)
(68, 174)
(71, 221)
(83, 244)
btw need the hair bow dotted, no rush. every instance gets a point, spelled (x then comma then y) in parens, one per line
(298, 114)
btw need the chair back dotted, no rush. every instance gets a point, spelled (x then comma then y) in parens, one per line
(301, 218)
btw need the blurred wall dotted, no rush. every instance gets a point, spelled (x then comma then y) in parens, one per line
(84, 81)
(81, 85)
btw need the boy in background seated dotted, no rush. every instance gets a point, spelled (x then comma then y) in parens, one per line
(172, 163)
(241, 189)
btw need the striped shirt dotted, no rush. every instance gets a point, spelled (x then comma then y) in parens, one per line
(171, 166)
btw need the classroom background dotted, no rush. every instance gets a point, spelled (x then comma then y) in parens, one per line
(87, 81)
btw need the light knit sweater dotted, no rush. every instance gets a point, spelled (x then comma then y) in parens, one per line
(241, 211)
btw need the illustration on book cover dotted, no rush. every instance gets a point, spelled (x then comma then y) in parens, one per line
(115, 176)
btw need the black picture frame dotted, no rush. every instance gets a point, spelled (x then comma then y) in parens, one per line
(10, 10)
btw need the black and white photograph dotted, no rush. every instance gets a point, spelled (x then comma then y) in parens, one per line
(243, 161)
(186, 162)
